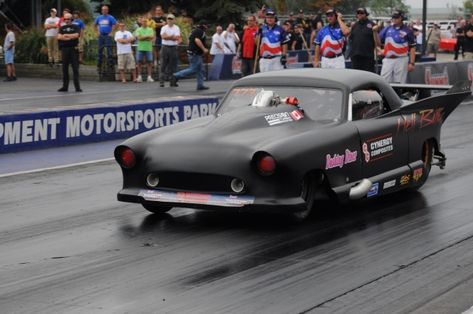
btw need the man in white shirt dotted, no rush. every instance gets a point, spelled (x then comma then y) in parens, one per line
(51, 27)
(217, 42)
(126, 60)
(230, 39)
(170, 39)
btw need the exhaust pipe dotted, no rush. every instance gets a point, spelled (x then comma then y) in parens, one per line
(361, 189)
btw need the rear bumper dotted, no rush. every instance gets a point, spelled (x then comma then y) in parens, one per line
(210, 201)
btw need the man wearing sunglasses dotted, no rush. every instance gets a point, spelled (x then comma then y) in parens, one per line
(330, 41)
(68, 37)
(362, 42)
(399, 50)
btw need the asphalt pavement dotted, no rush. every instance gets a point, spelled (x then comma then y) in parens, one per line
(67, 246)
(28, 94)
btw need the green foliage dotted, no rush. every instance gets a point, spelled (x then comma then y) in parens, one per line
(385, 7)
(468, 5)
(79, 5)
(31, 47)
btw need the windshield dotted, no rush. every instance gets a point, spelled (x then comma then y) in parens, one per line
(317, 103)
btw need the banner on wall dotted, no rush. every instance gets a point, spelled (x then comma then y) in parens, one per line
(34, 130)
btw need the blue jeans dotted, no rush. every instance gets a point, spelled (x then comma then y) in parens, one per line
(105, 41)
(195, 66)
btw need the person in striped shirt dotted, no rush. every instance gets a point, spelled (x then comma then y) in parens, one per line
(399, 50)
(273, 44)
(330, 41)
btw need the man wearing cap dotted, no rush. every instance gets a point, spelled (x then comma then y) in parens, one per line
(330, 41)
(170, 39)
(362, 41)
(194, 52)
(273, 44)
(399, 50)
(51, 27)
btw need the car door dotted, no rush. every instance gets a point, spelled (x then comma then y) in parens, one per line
(382, 147)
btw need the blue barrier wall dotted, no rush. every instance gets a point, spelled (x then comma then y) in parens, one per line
(83, 124)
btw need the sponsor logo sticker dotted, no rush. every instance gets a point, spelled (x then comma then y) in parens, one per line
(378, 148)
(297, 115)
(417, 174)
(373, 190)
(340, 160)
(405, 179)
(197, 198)
(389, 184)
(278, 118)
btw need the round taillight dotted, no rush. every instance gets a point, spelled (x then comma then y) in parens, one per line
(125, 157)
(266, 164)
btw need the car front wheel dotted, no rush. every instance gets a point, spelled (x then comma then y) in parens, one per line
(157, 209)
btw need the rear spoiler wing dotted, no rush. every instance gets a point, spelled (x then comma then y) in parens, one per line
(415, 92)
(446, 102)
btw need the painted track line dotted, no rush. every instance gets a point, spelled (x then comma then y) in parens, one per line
(85, 163)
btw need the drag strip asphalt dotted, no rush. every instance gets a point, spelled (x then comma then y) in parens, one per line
(67, 246)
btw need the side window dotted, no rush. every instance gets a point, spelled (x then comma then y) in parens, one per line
(367, 104)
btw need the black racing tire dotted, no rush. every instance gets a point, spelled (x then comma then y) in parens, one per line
(157, 209)
(427, 157)
(310, 186)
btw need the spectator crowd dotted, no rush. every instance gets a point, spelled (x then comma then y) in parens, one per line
(262, 44)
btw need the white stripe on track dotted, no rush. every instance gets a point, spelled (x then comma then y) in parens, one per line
(85, 163)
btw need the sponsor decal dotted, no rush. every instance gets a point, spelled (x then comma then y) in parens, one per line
(373, 190)
(236, 65)
(297, 115)
(417, 174)
(197, 198)
(436, 78)
(338, 161)
(389, 184)
(420, 120)
(405, 179)
(278, 118)
(378, 148)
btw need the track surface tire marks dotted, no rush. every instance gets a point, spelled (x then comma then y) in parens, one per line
(68, 246)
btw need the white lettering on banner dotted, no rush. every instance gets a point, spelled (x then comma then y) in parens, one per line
(76, 126)
(197, 111)
(28, 131)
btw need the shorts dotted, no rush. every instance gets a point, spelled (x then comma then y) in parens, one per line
(81, 44)
(158, 42)
(126, 61)
(140, 55)
(9, 56)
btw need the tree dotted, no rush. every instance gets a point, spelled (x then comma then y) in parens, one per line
(468, 5)
(386, 7)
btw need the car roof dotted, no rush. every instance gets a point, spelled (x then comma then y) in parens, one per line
(347, 80)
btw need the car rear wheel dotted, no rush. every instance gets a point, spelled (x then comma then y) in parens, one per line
(157, 209)
(427, 155)
(310, 185)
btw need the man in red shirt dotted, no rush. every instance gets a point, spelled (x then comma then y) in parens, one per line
(247, 47)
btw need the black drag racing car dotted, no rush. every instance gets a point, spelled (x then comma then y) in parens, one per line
(283, 140)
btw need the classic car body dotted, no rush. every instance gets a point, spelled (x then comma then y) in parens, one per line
(282, 140)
